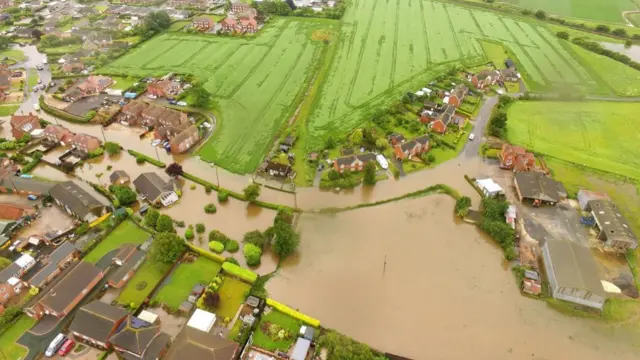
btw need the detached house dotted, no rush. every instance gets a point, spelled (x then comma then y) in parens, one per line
(457, 95)
(58, 134)
(119, 177)
(228, 24)
(54, 263)
(92, 85)
(443, 119)
(97, 41)
(23, 124)
(85, 143)
(96, 322)
(73, 66)
(485, 78)
(202, 23)
(240, 7)
(153, 188)
(516, 158)
(353, 162)
(79, 200)
(412, 148)
(248, 24)
(279, 170)
(184, 140)
(511, 75)
(8, 291)
(132, 112)
(164, 88)
(139, 339)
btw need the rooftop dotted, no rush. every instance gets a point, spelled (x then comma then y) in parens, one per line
(574, 266)
(614, 225)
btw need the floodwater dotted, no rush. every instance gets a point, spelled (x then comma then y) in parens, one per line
(633, 51)
(406, 278)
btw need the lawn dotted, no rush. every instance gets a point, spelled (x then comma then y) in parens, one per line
(264, 341)
(178, 25)
(10, 348)
(179, 285)
(143, 282)
(123, 83)
(602, 10)
(17, 55)
(32, 78)
(6, 110)
(232, 294)
(595, 134)
(622, 79)
(126, 233)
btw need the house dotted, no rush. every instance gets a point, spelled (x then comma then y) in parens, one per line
(54, 263)
(443, 119)
(353, 162)
(240, 7)
(85, 143)
(92, 85)
(489, 187)
(192, 343)
(96, 322)
(58, 134)
(537, 187)
(485, 78)
(164, 88)
(139, 339)
(18, 268)
(8, 291)
(153, 188)
(23, 124)
(412, 148)
(510, 74)
(572, 273)
(132, 111)
(80, 200)
(73, 66)
(614, 229)
(516, 158)
(184, 140)
(125, 252)
(228, 24)
(457, 95)
(24, 186)
(120, 277)
(97, 41)
(66, 294)
(119, 177)
(202, 23)
(279, 170)
(584, 196)
(5, 4)
(14, 212)
(248, 25)
(396, 139)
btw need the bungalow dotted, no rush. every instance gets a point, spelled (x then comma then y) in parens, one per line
(516, 158)
(202, 23)
(485, 78)
(153, 188)
(412, 148)
(58, 134)
(119, 177)
(120, 277)
(279, 170)
(79, 200)
(54, 263)
(139, 339)
(96, 322)
(614, 229)
(85, 143)
(184, 140)
(65, 295)
(457, 95)
(572, 273)
(192, 343)
(92, 85)
(353, 162)
(18, 268)
(23, 124)
(537, 187)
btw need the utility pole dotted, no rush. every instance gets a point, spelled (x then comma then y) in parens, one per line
(157, 155)
(217, 176)
(384, 268)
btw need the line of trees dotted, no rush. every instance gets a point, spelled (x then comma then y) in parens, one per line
(498, 120)
(599, 49)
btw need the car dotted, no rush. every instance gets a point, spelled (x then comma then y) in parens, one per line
(36, 107)
(39, 67)
(165, 143)
(206, 124)
(32, 197)
(152, 96)
(172, 102)
(42, 86)
(181, 103)
(14, 245)
(53, 83)
(55, 344)
(155, 142)
(36, 88)
(39, 81)
(472, 136)
(66, 347)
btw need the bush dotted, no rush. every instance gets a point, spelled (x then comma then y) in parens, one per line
(216, 246)
(232, 246)
(141, 158)
(237, 271)
(215, 235)
(207, 190)
(223, 196)
(563, 35)
(200, 228)
(112, 148)
(82, 229)
(210, 209)
(252, 254)
(293, 313)
(254, 237)
(189, 234)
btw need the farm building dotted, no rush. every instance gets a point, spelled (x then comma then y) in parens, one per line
(537, 187)
(572, 273)
(614, 228)
(584, 196)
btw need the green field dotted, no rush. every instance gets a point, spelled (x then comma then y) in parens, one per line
(178, 288)
(596, 134)
(126, 233)
(603, 10)
(142, 283)
(256, 81)
(10, 347)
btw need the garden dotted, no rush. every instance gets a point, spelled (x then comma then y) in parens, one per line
(126, 233)
(276, 331)
(179, 284)
(8, 340)
(143, 282)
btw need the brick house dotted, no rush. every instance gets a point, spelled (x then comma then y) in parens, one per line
(65, 295)
(125, 272)
(228, 24)
(248, 24)
(132, 112)
(457, 95)
(8, 291)
(412, 148)
(54, 263)
(396, 139)
(240, 7)
(443, 119)
(85, 143)
(80, 200)
(485, 78)
(202, 23)
(73, 66)
(58, 134)
(185, 140)
(164, 88)
(138, 339)
(24, 124)
(516, 158)
(92, 85)
(353, 162)
(96, 322)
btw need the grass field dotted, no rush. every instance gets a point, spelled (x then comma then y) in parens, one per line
(10, 348)
(123, 83)
(16, 54)
(232, 295)
(126, 233)
(285, 321)
(6, 110)
(256, 81)
(596, 134)
(603, 10)
(201, 271)
(142, 283)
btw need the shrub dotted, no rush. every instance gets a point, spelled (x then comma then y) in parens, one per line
(215, 235)
(462, 206)
(252, 254)
(293, 313)
(237, 271)
(333, 175)
(82, 229)
(200, 228)
(192, 187)
(207, 190)
(230, 260)
(189, 234)
(223, 196)
(232, 246)
(210, 209)
(254, 237)
(563, 35)
(252, 192)
(112, 148)
(216, 246)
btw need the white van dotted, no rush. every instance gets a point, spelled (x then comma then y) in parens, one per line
(382, 161)
(55, 345)
(36, 107)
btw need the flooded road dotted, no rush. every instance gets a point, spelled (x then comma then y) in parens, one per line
(405, 278)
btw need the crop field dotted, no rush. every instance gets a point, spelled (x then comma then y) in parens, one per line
(255, 80)
(602, 10)
(623, 79)
(596, 134)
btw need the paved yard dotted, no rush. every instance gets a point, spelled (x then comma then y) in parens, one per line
(171, 324)
(83, 106)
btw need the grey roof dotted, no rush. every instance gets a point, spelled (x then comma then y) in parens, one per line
(121, 272)
(537, 186)
(78, 197)
(447, 113)
(55, 257)
(8, 272)
(152, 185)
(408, 145)
(300, 349)
(64, 293)
(366, 157)
(192, 343)
(96, 320)
(135, 335)
(614, 225)
(574, 266)
(29, 185)
(117, 175)
(422, 140)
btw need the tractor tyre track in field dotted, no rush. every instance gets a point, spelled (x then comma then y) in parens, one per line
(394, 57)
(453, 32)
(563, 59)
(426, 33)
(360, 55)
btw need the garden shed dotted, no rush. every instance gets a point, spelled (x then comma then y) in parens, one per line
(202, 320)
(489, 187)
(300, 349)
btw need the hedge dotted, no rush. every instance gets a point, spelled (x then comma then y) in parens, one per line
(209, 255)
(216, 246)
(243, 274)
(61, 114)
(146, 158)
(293, 313)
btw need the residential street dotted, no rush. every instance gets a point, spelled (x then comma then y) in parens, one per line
(472, 147)
(34, 57)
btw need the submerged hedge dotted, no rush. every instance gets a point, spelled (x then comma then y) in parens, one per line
(146, 158)
(209, 255)
(244, 274)
(293, 313)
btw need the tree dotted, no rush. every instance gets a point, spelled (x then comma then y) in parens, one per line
(356, 137)
(603, 28)
(211, 299)
(157, 21)
(4, 42)
(200, 228)
(333, 175)
(563, 35)
(112, 148)
(462, 206)
(370, 173)
(252, 192)
(254, 237)
(151, 218)
(330, 143)
(199, 97)
(342, 347)
(498, 124)
(4, 262)
(286, 240)
(252, 254)
(215, 235)
(628, 43)
(382, 144)
(188, 234)
(165, 224)
(541, 14)
(37, 33)
(620, 32)
(124, 194)
(174, 170)
(167, 247)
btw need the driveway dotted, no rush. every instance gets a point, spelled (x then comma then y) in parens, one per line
(472, 147)
(83, 106)
(558, 222)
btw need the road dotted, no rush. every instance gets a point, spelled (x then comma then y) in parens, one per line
(472, 147)
(34, 57)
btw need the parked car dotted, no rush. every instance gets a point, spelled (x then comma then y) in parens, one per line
(152, 96)
(66, 347)
(36, 107)
(382, 161)
(36, 88)
(55, 344)
(14, 245)
(181, 103)
(172, 102)
(472, 136)
(39, 81)
(32, 197)
(155, 142)
(39, 67)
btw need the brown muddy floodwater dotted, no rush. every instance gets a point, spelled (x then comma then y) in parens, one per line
(443, 293)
